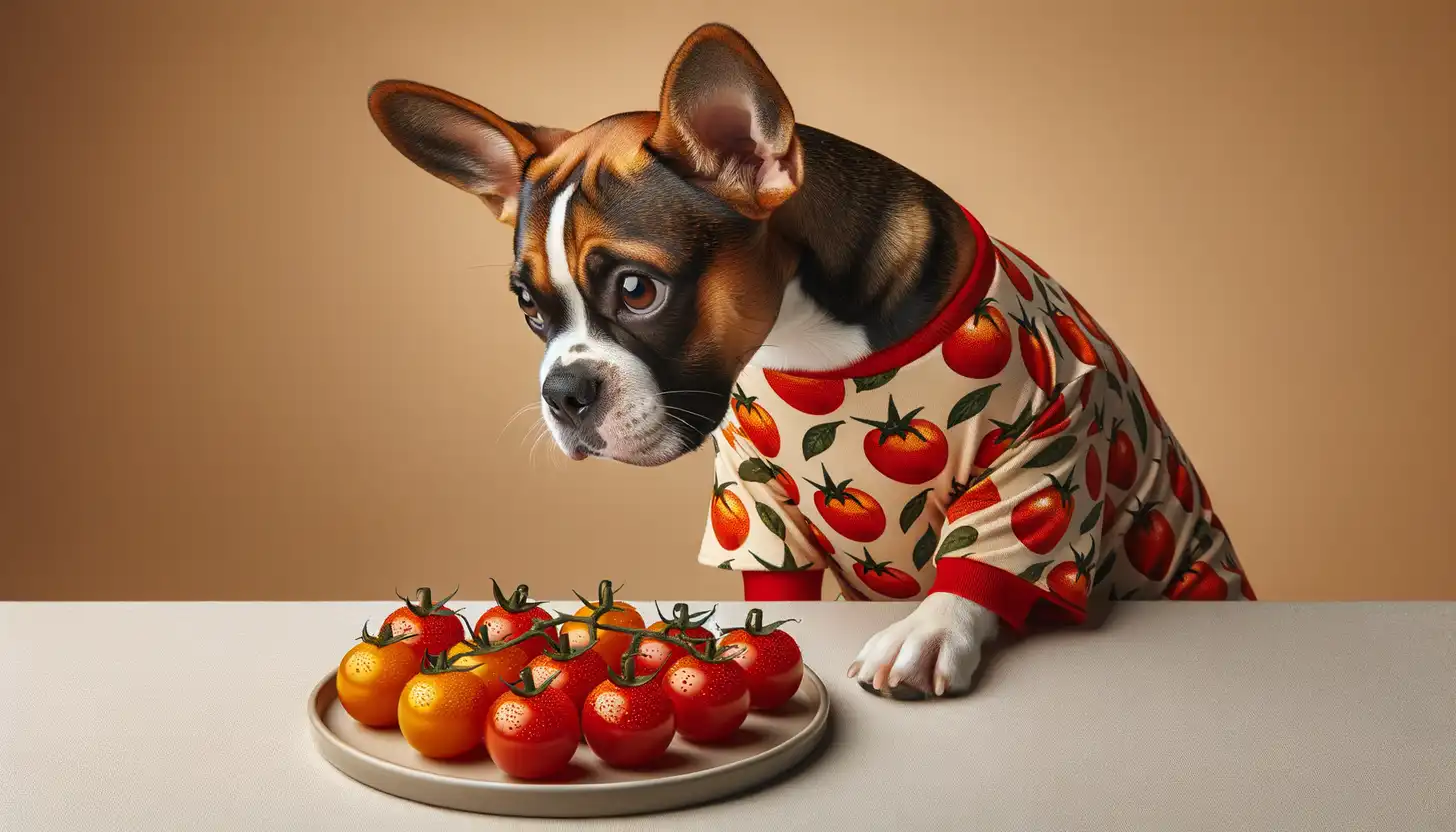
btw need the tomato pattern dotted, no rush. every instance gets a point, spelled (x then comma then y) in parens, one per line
(1025, 440)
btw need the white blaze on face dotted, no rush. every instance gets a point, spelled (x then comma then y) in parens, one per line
(633, 416)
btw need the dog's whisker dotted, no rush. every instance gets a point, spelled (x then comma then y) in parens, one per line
(518, 414)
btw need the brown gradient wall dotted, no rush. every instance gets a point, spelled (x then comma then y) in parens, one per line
(248, 351)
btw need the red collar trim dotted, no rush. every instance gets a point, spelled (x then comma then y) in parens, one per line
(947, 321)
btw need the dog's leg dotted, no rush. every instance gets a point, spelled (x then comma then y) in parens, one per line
(935, 649)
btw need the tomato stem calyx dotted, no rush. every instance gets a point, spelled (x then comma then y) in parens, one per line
(424, 605)
(386, 635)
(754, 625)
(441, 662)
(517, 601)
(682, 620)
(835, 492)
(895, 426)
(529, 687)
(628, 678)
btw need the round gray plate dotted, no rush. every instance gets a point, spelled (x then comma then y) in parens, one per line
(766, 746)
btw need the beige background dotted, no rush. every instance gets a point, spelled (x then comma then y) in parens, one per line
(248, 351)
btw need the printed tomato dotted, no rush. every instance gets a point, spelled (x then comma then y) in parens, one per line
(981, 348)
(1148, 401)
(628, 720)
(1149, 542)
(1180, 479)
(1014, 274)
(1121, 362)
(512, 617)
(1086, 318)
(815, 396)
(574, 672)
(1035, 352)
(442, 709)
(820, 541)
(729, 517)
(1094, 474)
(653, 654)
(1072, 581)
(434, 626)
(756, 423)
(993, 446)
(1109, 514)
(610, 644)
(786, 482)
(904, 448)
(981, 495)
(884, 578)
(1204, 499)
(1027, 260)
(1096, 426)
(709, 695)
(1073, 336)
(1052, 421)
(1198, 583)
(372, 675)
(730, 435)
(489, 661)
(1040, 520)
(532, 731)
(1121, 459)
(849, 511)
(772, 664)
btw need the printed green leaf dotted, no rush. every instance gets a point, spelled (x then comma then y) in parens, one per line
(1139, 421)
(1113, 384)
(1105, 569)
(1090, 521)
(771, 519)
(1053, 453)
(970, 404)
(960, 538)
(819, 439)
(727, 564)
(912, 510)
(787, 566)
(715, 442)
(924, 548)
(862, 385)
(1032, 573)
(755, 470)
(1056, 341)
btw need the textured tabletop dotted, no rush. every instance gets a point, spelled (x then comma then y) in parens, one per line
(1170, 716)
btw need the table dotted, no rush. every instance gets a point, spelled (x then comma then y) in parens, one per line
(190, 716)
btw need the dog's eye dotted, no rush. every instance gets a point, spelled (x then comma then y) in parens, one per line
(528, 307)
(641, 295)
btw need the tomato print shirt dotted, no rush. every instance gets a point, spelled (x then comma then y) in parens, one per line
(1009, 454)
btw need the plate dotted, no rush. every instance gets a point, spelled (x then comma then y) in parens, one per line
(767, 745)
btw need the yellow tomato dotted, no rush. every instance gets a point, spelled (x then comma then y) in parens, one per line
(494, 669)
(610, 645)
(442, 712)
(372, 675)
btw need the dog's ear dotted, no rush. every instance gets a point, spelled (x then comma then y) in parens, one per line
(726, 125)
(460, 141)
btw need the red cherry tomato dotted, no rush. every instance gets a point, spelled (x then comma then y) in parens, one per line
(628, 720)
(573, 671)
(513, 616)
(532, 731)
(654, 654)
(709, 695)
(428, 626)
(771, 661)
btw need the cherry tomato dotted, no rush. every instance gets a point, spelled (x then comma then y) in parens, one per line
(709, 695)
(442, 709)
(772, 665)
(611, 645)
(815, 396)
(884, 578)
(490, 662)
(980, 496)
(728, 516)
(1071, 581)
(653, 654)
(372, 675)
(1121, 459)
(755, 423)
(532, 731)
(628, 720)
(1199, 583)
(1040, 520)
(1036, 354)
(573, 671)
(1014, 274)
(435, 625)
(1149, 542)
(981, 348)
(513, 616)
(849, 511)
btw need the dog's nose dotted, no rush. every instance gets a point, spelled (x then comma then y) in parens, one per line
(570, 390)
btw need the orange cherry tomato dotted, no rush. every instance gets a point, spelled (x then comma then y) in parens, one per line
(372, 675)
(442, 710)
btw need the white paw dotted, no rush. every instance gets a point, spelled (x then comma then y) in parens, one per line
(935, 649)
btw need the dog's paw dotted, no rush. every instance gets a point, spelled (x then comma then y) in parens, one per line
(934, 650)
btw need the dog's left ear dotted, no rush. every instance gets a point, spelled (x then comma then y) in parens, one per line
(726, 124)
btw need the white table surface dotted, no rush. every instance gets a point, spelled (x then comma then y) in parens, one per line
(1169, 717)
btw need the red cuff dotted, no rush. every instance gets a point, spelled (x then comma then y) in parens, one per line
(801, 585)
(1016, 601)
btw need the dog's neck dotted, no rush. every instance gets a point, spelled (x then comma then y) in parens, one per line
(869, 252)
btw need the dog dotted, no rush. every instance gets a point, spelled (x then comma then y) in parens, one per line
(962, 430)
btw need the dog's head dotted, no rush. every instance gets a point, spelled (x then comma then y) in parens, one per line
(641, 253)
